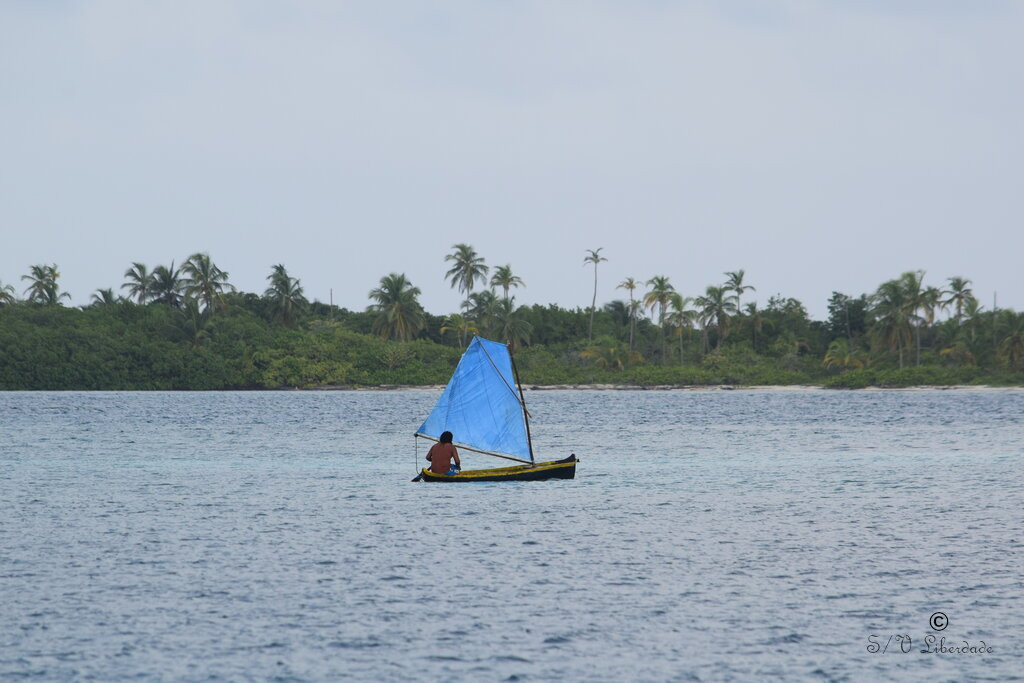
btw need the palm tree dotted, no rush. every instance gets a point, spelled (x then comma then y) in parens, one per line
(192, 323)
(618, 311)
(511, 327)
(659, 295)
(482, 308)
(103, 297)
(6, 294)
(504, 278)
(629, 284)
(959, 294)
(607, 353)
(914, 297)
(973, 311)
(680, 317)
(140, 282)
(167, 286)
(931, 303)
(892, 324)
(467, 269)
(842, 355)
(593, 256)
(757, 323)
(399, 314)
(735, 283)
(958, 353)
(204, 281)
(460, 325)
(43, 288)
(1011, 349)
(285, 296)
(717, 305)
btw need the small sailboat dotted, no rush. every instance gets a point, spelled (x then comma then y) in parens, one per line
(483, 407)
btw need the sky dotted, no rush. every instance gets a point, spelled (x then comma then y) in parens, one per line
(818, 146)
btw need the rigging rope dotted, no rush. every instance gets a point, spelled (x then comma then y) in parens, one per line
(516, 396)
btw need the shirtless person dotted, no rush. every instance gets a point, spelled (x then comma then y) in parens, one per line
(441, 454)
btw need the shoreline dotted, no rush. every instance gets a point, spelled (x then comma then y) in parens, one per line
(562, 387)
(678, 387)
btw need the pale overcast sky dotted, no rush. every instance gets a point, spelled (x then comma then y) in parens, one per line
(820, 146)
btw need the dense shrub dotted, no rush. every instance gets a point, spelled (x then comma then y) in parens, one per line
(128, 346)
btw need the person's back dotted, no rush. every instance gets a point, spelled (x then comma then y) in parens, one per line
(441, 455)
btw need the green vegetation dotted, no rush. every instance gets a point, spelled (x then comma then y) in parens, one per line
(188, 328)
(399, 314)
(593, 256)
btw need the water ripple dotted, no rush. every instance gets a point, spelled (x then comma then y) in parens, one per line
(709, 536)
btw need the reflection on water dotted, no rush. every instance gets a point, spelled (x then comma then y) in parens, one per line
(709, 535)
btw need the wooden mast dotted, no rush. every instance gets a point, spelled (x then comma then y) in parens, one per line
(522, 402)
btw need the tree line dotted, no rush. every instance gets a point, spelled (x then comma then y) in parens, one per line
(186, 326)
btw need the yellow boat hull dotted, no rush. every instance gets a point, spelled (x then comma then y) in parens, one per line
(553, 469)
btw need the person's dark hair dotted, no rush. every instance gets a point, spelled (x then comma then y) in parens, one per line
(446, 437)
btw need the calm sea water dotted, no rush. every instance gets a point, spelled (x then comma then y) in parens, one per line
(744, 535)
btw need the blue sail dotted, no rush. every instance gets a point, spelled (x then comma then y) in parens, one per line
(481, 406)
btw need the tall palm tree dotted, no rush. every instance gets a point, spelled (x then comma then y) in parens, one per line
(139, 282)
(680, 317)
(704, 320)
(959, 294)
(892, 323)
(43, 288)
(399, 314)
(467, 269)
(931, 304)
(204, 281)
(630, 285)
(167, 286)
(285, 296)
(659, 296)
(973, 313)
(914, 298)
(593, 256)
(717, 305)
(6, 294)
(504, 278)
(735, 283)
